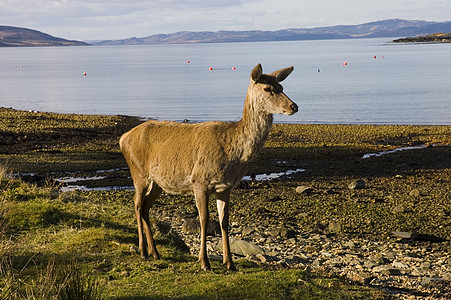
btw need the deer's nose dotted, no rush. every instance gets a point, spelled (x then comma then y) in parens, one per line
(294, 107)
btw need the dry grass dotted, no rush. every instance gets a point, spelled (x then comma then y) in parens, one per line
(59, 280)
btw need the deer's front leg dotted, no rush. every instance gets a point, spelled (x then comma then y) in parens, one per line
(202, 206)
(223, 212)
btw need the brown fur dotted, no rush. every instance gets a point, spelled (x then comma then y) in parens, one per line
(202, 158)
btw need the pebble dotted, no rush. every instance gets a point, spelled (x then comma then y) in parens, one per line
(282, 232)
(417, 269)
(304, 190)
(415, 193)
(358, 184)
(335, 227)
(400, 209)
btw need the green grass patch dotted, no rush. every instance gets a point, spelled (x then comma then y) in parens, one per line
(94, 234)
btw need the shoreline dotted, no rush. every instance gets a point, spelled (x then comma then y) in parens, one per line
(436, 38)
(200, 121)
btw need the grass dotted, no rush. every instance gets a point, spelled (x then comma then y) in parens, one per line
(80, 243)
(92, 235)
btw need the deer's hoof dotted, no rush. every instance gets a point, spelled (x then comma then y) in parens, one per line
(156, 256)
(230, 266)
(144, 257)
(205, 266)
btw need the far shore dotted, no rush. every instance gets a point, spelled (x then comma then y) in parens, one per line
(437, 38)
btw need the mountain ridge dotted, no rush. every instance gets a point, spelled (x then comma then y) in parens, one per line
(23, 37)
(384, 28)
(11, 36)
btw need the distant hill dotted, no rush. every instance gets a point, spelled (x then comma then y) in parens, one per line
(431, 38)
(23, 37)
(386, 28)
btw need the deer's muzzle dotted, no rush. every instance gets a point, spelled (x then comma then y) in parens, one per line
(290, 109)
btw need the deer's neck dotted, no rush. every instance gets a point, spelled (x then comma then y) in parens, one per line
(252, 130)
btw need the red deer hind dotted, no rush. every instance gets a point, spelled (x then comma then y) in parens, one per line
(202, 158)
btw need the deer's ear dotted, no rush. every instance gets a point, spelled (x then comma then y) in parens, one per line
(256, 73)
(282, 74)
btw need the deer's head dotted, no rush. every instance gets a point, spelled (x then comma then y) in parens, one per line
(267, 93)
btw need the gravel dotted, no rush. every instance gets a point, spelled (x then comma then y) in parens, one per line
(401, 265)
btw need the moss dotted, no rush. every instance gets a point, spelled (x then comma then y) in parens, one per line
(32, 215)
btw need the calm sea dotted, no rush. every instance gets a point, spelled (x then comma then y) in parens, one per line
(403, 84)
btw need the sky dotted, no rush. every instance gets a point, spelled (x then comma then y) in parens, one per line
(117, 19)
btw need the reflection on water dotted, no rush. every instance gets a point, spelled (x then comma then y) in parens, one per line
(393, 151)
(68, 183)
(71, 188)
(75, 179)
(272, 176)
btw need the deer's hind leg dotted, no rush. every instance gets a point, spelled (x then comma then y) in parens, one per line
(202, 196)
(153, 192)
(144, 198)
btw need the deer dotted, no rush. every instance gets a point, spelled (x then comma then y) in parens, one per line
(202, 159)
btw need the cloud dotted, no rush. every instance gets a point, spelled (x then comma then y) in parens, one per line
(114, 19)
(56, 16)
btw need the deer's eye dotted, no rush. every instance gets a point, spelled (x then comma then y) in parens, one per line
(267, 89)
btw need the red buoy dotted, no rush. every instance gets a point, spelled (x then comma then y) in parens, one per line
(188, 61)
(233, 68)
(210, 69)
(374, 56)
(84, 74)
(344, 64)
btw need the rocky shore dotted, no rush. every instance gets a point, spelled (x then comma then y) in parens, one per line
(406, 265)
(431, 38)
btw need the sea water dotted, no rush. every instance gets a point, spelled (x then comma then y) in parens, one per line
(355, 81)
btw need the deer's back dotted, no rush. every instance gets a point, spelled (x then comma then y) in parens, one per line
(178, 155)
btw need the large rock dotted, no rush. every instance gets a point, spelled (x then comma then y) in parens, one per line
(386, 270)
(243, 248)
(192, 225)
(405, 234)
(408, 235)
